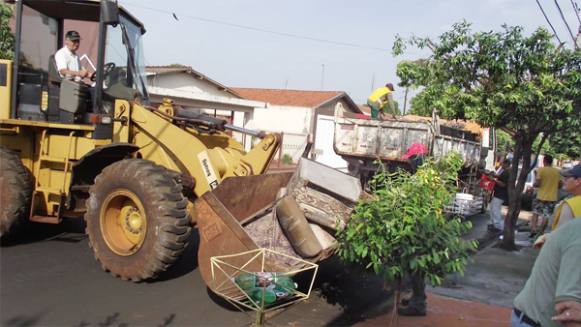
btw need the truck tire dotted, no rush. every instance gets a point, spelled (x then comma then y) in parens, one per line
(15, 192)
(137, 219)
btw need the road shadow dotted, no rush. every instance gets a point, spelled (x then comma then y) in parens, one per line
(69, 230)
(350, 287)
(23, 321)
(187, 262)
(115, 319)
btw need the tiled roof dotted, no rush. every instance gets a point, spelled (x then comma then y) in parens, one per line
(177, 68)
(294, 98)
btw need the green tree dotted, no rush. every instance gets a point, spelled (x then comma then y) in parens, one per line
(402, 229)
(418, 107)
(504, 142)
(563, 146)
(524, 84)
(6, 36)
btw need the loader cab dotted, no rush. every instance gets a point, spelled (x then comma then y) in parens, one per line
(110, 46)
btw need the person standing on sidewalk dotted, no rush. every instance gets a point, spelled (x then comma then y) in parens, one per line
(500, 196)
(547, 182)
(569, 208)
(554, 283)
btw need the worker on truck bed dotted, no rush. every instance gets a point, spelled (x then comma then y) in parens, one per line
(381, 99)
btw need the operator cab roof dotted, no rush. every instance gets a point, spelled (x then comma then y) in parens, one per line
(84, 10)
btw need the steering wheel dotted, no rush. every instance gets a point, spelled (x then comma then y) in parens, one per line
(107, 69)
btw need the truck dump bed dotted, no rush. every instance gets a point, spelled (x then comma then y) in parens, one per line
(388, 140)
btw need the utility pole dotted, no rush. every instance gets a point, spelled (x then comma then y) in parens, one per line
(372, 82)
(405, 100)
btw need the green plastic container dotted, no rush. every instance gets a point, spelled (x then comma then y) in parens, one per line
(276, 286)
(246, 281)
(268, 293)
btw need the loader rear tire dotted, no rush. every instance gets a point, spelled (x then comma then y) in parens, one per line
(15, 192)
(137, 219)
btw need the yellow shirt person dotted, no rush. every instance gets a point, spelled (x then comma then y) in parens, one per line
(571, 207)
(381, 99)
(549, 177)
(547, 184)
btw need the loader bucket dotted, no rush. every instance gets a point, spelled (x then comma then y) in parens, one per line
(264, 211)
(221, 213)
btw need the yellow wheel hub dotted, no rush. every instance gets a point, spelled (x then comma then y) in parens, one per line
(123, 222)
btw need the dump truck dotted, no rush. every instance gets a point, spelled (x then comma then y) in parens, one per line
(368, 145)
(143, 176)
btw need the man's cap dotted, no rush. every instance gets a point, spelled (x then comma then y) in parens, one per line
(73, 35)
(389, 86)
(416, 149)
(573, 172)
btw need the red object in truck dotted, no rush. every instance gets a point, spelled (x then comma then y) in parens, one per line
(486, 183)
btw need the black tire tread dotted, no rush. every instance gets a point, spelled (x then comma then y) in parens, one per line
(19, 184)
(173, 220)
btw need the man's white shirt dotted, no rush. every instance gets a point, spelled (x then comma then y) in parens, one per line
(65, 59)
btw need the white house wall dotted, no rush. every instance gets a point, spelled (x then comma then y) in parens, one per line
(239, 120)
(293, 122)
(323, 147)
(282, 119)
(186, 82)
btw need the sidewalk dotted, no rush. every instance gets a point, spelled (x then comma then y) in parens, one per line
(449, 312)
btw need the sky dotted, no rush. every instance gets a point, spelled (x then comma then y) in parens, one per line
(331, 45)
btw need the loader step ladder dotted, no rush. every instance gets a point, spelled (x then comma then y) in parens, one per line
(45, 191)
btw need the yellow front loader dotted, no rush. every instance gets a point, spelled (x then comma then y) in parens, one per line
(142, 176)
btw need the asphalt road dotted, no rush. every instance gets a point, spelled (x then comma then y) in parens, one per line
(51, 279)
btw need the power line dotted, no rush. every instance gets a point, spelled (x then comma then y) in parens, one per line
(549, 22)
(566, 24)
(256, 29)
(576, 10)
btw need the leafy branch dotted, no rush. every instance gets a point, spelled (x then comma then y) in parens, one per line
(403, 228)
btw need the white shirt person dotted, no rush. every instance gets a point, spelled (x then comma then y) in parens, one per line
(67, 62)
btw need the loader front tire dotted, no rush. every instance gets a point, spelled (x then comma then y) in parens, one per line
(137, 219)
(15, 192)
